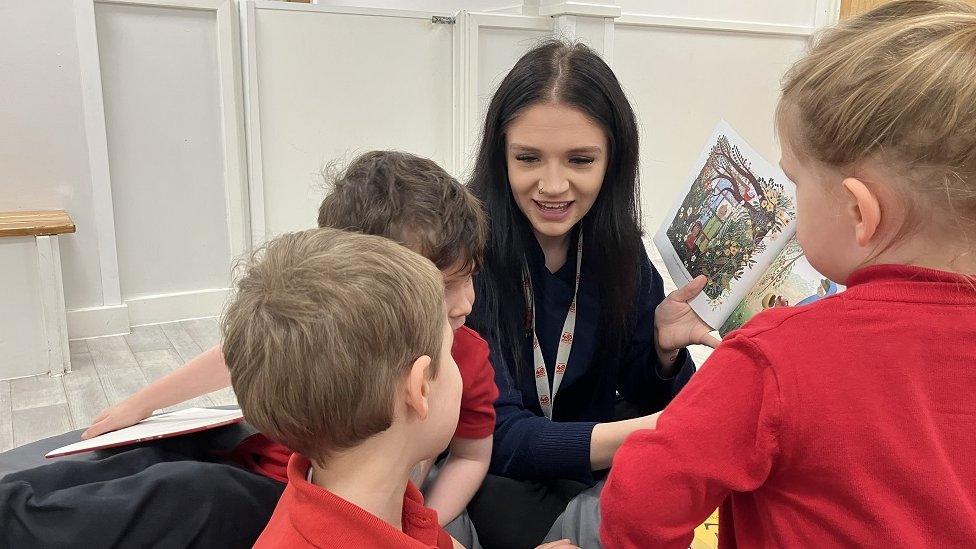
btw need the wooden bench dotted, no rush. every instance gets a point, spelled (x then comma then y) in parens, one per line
(33, 328)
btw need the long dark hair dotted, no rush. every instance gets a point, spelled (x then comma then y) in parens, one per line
(570, 74)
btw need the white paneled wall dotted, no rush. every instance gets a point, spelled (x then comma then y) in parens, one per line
(324, 85)
(682, 81)
(487, 47)
(44, 160)
(792, 12)
(162, 94)
(134, 114)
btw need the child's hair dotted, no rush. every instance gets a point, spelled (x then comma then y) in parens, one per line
(409, 199)
(896, 85)
(322, 328)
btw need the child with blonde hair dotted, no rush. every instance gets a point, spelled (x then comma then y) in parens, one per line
(850, 421)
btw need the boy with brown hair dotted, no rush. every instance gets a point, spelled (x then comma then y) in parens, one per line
(338, 346)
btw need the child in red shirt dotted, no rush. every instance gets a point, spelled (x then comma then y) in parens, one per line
(338, 346)
(415, 202)
(848, 422)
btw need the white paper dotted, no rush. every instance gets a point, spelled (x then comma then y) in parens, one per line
(158, 426)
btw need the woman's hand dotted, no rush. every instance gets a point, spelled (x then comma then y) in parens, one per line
(563, 543)
(677, 325)
(126, 413)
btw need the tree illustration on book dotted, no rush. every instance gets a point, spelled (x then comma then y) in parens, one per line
(735, 223)
(729, 215)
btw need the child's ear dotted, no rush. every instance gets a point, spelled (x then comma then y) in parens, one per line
(864, 209)
(418, 386)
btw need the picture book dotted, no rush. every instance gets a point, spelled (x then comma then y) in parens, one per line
(736, 225)
(171, 424)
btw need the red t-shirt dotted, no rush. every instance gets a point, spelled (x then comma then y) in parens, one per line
(476, 420)
(846, 423)
(310, 516)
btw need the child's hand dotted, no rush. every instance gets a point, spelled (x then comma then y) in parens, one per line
(677, 325)
(563, 543)
(121, 415)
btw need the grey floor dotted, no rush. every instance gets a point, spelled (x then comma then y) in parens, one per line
(104, 371)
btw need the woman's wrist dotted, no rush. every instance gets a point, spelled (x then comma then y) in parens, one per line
(666, 358)
(607, 438)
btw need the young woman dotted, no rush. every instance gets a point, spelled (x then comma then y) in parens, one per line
(574, 312)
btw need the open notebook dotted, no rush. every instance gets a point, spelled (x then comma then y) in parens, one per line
(170, 424)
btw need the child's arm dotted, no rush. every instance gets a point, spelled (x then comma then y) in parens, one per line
(459, 477)
(721, 434)
(203, 374)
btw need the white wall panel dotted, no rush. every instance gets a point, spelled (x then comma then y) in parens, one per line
(161, 85)
(498, 50)
(446, 6)
(780, 12)
(332, 85)
(43, 143)
(681, 82)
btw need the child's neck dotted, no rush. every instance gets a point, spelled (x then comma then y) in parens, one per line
(931, 254)
(372, 475)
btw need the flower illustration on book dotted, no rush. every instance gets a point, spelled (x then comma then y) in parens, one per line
(734, 209)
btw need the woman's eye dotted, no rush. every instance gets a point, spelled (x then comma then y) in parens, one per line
(581, 160)
(526, 158)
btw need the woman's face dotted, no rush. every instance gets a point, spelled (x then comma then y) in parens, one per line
(556, 157)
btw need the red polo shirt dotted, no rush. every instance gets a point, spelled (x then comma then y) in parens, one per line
(310, 516)
(476, 419)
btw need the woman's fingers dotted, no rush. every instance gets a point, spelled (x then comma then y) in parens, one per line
(690, 290)
(557, 544)
(710, 340)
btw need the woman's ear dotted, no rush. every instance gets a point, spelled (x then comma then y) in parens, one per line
(864, 210)
(418, 386)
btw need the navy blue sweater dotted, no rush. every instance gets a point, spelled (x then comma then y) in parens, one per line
(528, 446)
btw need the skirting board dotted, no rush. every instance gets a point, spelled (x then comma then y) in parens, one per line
(98, 321)
(154, 309)
(157, 309)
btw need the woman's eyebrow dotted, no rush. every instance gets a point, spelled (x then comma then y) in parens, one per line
(591, 150)
(521, 147)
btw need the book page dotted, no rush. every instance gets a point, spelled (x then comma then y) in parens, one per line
(735, 216)
(180, 422)
(789, 281)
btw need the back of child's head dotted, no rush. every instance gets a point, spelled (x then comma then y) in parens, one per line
(896, 87)
(322, 329)
(409, 199)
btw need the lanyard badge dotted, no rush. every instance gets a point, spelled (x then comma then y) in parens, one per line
(546, 396)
